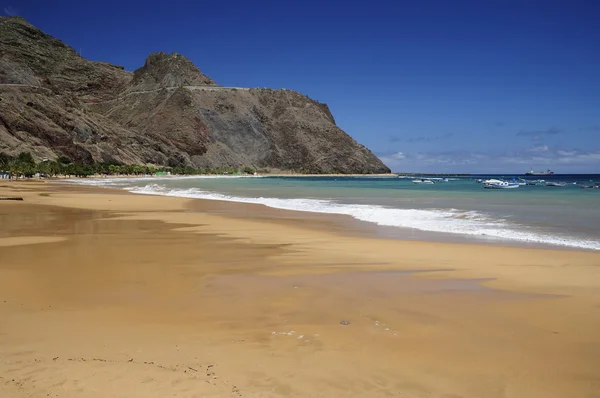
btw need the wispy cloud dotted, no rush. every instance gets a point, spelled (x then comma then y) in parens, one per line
(566, 153)
(578, 158)
(566, 157)
(421, 138)
(540, 148)
(438, 161)
(537, 135)
(392, 158)
(561, 160)
(10, 11)
(595, 128)
(398, 156)
(451, 158)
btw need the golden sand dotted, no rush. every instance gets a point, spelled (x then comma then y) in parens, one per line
(108, 294)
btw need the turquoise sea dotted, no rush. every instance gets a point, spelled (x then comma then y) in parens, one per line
(459, 209)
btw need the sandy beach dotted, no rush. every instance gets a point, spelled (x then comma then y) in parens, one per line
(104, 293)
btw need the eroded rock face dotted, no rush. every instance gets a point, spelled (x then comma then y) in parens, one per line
(168, 70)
(54, 102)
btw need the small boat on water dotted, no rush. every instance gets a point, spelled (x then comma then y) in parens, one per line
(555, 184)
(422, 181)
(437, 179)
(499, 184)
(536, 182)
(587, 185)
(520, 181)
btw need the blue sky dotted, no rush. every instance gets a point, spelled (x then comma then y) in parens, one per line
(446, 86)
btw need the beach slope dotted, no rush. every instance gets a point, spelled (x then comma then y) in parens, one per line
(109, 294)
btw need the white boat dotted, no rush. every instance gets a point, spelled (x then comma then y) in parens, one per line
(555, 184)
(422, 181)
(534, 182)
(499, 184)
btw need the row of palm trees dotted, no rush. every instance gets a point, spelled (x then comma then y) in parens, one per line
(24, 166)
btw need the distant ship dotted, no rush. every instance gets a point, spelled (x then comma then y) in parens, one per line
(539, 173)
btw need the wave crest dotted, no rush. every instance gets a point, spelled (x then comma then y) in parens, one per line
(452, 221)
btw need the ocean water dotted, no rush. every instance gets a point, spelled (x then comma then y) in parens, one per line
(567, 217)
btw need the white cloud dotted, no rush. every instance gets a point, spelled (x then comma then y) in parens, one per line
(393, 160)
(541, 148)
(566, 153)
(573, 157)
(536, 134)
(8, 10)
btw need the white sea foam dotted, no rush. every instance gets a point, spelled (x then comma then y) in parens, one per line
(452, 221)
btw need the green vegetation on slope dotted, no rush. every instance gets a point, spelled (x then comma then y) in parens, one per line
(24, 166)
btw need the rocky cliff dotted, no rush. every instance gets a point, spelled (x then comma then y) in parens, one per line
(54, 102)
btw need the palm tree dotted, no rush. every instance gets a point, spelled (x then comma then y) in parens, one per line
(5, 161)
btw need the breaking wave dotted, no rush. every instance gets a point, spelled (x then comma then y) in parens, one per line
(452, 221)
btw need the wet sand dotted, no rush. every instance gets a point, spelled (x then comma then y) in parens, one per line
(109, 294)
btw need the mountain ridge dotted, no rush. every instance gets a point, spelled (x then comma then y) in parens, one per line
(55, 103)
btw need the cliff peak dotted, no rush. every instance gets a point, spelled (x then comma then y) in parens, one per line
(168, 70)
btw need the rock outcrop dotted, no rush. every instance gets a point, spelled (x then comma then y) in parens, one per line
(54, 102)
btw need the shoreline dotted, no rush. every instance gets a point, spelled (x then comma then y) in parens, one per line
(108, 293)
(374, 229)
(347, 225)
(340, 226)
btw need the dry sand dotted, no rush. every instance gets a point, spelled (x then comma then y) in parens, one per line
(107, 294)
